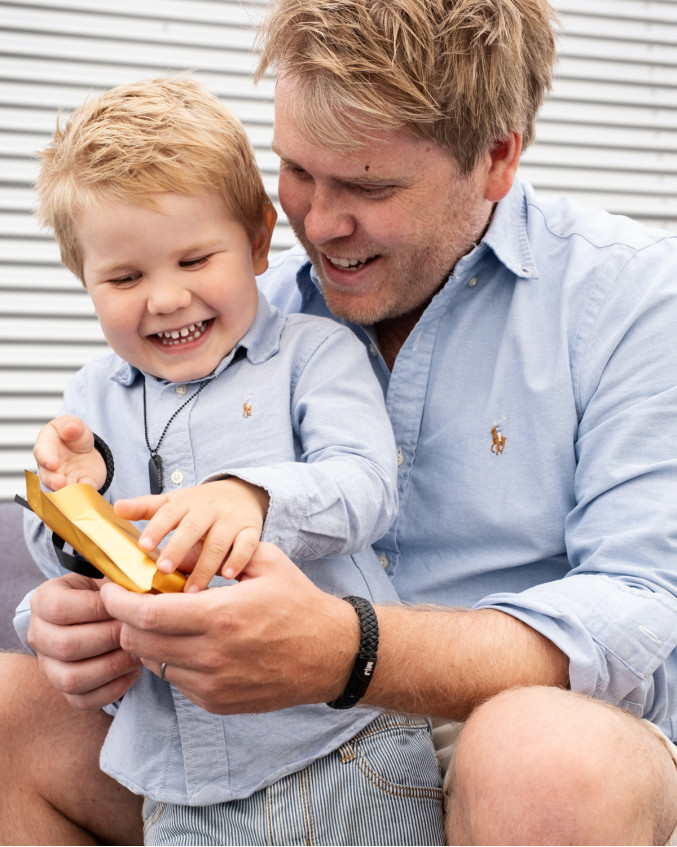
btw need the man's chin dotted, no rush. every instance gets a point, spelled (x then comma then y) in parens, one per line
(354, 308)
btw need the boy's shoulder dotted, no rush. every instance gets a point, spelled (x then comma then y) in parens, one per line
(315, 329)
(279, 282)
(103, 368)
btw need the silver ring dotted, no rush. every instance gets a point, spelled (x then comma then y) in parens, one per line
(163, 669)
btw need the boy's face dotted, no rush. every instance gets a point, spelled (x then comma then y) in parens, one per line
(173, 288)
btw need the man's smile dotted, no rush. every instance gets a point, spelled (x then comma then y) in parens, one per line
(348, 264)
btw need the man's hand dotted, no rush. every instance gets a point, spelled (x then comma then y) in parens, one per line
(78, 644)
(65, 453)
(216, 527)
(271, 641)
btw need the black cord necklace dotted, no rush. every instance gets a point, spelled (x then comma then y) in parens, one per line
(155, 475)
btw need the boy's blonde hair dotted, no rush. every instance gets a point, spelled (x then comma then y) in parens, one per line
(464, 73)
(134, 141)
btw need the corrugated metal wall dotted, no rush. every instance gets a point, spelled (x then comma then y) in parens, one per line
(607, 135)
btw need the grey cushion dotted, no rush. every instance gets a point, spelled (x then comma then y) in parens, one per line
(18, 571)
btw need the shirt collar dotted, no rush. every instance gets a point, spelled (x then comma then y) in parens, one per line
(260, 342)
(507, 234)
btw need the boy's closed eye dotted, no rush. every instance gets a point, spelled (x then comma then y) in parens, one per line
(194, 263)
(128, 279)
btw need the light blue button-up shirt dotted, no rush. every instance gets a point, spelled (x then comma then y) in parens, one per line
(296, 409)
(535, 414)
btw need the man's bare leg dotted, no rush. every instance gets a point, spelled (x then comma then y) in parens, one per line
(53, 791)
(545, 766)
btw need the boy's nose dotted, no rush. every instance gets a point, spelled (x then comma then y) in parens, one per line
(167, 297)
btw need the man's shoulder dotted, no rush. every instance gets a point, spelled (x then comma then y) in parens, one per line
(566, 219)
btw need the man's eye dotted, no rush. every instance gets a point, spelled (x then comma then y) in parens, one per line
(193, 263)
(375, 191)
(294, 170)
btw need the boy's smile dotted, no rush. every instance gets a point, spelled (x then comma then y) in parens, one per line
(173, 286)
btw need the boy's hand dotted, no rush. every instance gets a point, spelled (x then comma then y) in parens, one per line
(65, 453)
(216, 526)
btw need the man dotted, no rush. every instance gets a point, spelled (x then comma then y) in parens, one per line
(531, 380)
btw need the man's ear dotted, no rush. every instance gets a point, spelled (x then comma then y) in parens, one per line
(505, 157)
(261, 243)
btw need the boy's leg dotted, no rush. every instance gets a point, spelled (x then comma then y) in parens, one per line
(545, 766)
(381, 787)
(53, 791)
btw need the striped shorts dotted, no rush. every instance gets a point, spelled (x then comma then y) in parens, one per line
(381, 787)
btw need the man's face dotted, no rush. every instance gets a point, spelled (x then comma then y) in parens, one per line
(383, 224)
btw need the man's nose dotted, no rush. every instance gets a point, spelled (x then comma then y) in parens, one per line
(328, 217)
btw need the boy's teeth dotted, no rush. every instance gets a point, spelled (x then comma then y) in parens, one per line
(181, 336)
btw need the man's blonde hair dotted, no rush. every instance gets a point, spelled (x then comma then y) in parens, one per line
(463, 73)
(137, 140)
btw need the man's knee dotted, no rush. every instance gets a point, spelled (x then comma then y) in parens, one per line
(543, 765)
(54, 791)
(19, 695)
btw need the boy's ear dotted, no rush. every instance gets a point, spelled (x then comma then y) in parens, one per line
(261, 243)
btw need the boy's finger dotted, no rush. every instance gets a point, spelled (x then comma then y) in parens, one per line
(215, 551)
(246, 541)
(189, 529)
(140, 508)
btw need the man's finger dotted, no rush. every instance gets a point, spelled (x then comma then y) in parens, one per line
(168, 614)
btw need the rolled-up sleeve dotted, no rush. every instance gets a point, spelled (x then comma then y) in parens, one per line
(615, 613)
(341, 495)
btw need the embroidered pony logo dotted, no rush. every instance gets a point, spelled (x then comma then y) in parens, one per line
(497, 437)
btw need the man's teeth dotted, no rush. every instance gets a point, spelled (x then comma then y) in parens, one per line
(345, 263)
(182, 336)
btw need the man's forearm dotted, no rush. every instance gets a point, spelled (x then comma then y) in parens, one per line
(444, 662)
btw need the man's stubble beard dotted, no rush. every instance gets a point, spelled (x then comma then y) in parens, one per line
(416, 277)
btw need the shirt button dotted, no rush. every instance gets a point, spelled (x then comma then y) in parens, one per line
(383, 559)
(181, 390)
(472, 282)
(400, 456)
(373, 350)
(177, 477)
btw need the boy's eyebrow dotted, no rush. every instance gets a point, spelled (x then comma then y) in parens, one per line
(125, 267)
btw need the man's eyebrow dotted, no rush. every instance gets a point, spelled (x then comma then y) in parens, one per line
(357, 179)
(277, 150)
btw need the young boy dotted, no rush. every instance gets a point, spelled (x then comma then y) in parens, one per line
(157, 205)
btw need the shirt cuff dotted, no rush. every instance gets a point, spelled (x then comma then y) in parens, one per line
(602, 625)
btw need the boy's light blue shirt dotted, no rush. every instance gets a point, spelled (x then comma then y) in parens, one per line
(559, 331)
(316, 435)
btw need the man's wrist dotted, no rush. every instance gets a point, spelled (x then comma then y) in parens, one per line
(365, 661)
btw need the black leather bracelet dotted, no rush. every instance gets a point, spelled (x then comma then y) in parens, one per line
(107, 456)
(365, 661)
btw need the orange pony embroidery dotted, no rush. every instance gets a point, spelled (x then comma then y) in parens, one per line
(497, 438)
